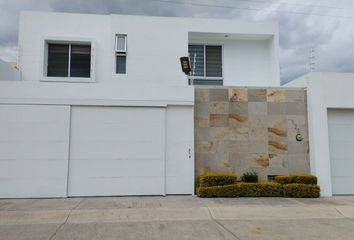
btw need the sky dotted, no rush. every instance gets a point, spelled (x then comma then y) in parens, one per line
(323, 27)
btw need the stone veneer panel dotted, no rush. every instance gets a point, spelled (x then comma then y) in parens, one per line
(251, 129)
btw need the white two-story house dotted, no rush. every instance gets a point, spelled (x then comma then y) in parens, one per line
(103, 107)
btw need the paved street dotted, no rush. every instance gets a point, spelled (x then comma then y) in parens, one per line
(177, 217)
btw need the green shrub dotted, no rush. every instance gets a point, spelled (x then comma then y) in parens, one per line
(297, 190)
(296, 178)
(264, 189)
(250, 177)
(217, 179)
(218, 191)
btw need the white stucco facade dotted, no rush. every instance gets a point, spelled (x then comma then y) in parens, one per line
(154, 46)
(154, 93)
(325, 92)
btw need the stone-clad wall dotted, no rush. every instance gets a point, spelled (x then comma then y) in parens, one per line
(251, 129)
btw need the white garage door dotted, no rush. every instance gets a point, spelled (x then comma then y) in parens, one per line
(341, 144)
(179, 150)
(34, 143)
(117, 151)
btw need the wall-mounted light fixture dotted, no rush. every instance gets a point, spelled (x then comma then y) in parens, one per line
(186, 68)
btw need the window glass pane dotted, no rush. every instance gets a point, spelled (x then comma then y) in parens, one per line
(198, 52)
(80, 61)
(121, 43)
(210, 82)
(213, 61)
(121, 64)
(58, 60)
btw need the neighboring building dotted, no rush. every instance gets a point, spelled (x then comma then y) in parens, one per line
(103, 107)
(8, 72)
(331, 129)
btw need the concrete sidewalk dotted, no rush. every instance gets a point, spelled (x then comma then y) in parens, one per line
(177, 217)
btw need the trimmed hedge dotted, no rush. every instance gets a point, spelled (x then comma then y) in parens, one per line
(264, 189)
(297, 190)
(296, 178)
(225, 185)
(217, 179)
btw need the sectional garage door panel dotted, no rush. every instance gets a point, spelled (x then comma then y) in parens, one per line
(34, 143)
(341, 146)
(117, 151)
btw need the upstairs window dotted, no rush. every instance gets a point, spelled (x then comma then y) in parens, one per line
(121, 53)
(206, 64)
(69, 60)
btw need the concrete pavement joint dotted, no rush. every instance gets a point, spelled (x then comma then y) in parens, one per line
(222, 225)
(341, 213)
(66, 220)
(295, 201)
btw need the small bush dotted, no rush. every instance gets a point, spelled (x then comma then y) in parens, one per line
(217, 179)
(296, 178)
(297, 190)
(242, 190)
(250, 177)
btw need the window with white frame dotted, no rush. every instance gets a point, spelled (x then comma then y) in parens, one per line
(68, 60)
(121, 53)
(206, 64)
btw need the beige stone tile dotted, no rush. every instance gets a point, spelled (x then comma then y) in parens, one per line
(201, 161)
(257, 95)
(277, 135)
(260, 160)
(277, 147)
(219, 120)
(277, 121)
(295, 147)
(236, 120)
(239, 160)
(257, 108)
(277, 161)
(258, 128)
(219, 163)
(238, 94)
(219, 147)
(239, 134)
(201, 134)
(238, 146)
(276, 108)
(277, 128)
(275, 95)
(219, 95)
(201, 95)
(218, 107)
(295, 108)
(258, 147)
(298, 163)
(297, 95)
(201, 121)
(201, 109)
(240, 108)
(203, 147)
(218, 134)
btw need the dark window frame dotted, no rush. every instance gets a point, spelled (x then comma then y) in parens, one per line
(205, 46)
(86, 61)
(121, 54)
(204, 79)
